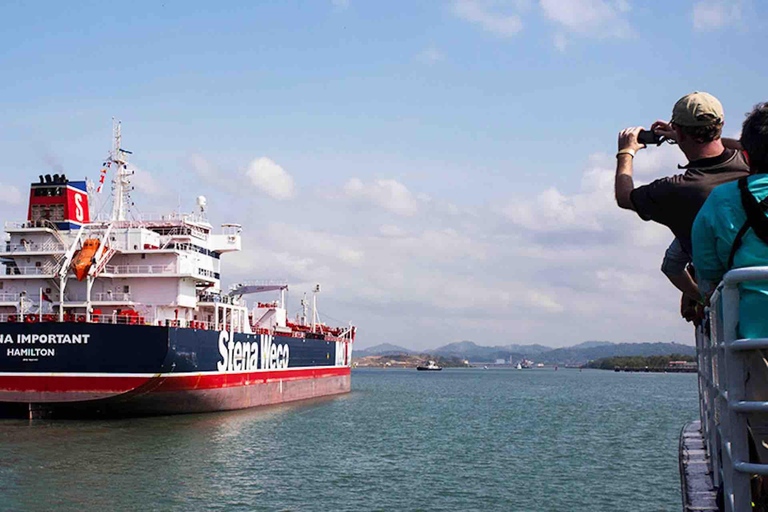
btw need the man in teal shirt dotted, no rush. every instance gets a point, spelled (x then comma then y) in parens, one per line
(718, 223)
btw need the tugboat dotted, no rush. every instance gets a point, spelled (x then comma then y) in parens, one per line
(431, 367)
(145, 327)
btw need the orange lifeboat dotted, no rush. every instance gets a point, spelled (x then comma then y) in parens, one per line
(84, 258)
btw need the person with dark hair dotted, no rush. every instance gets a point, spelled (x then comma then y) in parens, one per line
(731, 231)
(722, 237)
(696, 125)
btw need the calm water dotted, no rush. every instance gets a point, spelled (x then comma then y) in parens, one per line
(453, 440)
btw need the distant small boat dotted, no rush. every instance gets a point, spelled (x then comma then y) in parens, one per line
(431, 367)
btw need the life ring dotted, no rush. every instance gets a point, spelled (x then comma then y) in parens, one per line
(81, 319)
(31, 319)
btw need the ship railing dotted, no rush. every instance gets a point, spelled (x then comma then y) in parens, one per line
(260, 282)
(140, 269)
(25, 224)
(10, 297)
(44, 270)
(154, 217)
(132, 317)
(723, 395)
(32, 224)
(135, 318)
(52, 247)
(208, 273)
(95, 297)
(107, 297)
(191, 221)
(216, 297)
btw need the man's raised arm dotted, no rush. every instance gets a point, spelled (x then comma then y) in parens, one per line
(628, 147)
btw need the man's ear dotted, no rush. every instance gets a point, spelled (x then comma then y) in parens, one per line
(681, 137)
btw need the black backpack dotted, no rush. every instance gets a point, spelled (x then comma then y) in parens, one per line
(756, 219)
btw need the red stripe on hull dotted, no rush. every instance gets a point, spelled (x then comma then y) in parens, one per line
(52, 388)
(175, 394)
(228, 380)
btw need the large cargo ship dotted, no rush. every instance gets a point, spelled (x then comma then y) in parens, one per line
(125, 315)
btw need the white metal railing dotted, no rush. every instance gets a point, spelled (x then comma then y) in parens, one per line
(50, 246)
(30, 271)
(187, 221)
(30, 224)
(114, 318)
(131, 317)
(156, 217)
(107, 297)
(217, 297)
(207, 273)
(723, 403)
(10, 297)
(140, 269)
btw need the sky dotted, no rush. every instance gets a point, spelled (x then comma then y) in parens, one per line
(444, 169)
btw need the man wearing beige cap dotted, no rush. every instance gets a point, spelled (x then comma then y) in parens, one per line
(696, 125)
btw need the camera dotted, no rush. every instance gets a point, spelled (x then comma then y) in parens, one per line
(648, 137)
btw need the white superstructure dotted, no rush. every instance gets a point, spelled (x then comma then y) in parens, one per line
(159, 270)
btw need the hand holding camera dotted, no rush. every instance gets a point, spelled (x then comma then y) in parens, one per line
(649, 137)
(638, 138)
(628, 141)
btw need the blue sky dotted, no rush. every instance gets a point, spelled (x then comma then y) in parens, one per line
(442, 168)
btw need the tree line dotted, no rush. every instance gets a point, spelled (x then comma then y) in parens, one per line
(609, 363)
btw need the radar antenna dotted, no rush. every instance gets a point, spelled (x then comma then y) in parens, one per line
(121, 183)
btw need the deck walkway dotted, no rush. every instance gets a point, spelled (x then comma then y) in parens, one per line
(698, 491)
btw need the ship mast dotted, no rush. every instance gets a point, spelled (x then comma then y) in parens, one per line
(122, 181)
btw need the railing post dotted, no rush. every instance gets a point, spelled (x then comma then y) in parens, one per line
(738, 490)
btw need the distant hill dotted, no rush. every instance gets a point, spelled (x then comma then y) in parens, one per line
(576, 355)
(473, 352)
(384, 349)
(529, 350)
(593, 344)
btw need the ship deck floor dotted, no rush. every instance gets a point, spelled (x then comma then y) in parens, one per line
(698, 491)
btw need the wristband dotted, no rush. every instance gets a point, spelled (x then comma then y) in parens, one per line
(630, 152)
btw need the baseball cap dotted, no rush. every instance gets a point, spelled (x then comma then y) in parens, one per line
(697, 109)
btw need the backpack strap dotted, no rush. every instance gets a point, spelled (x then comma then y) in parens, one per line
(756, 218)
(737, 243)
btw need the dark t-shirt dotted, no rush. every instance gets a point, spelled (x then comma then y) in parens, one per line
(674, 201)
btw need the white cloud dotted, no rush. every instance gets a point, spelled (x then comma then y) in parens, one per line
(551, 211)
(593, 18)
(431, 55)
(388, 194)
(543, 301)
(340, 4)
(10, 194)
(390, 230)
(714, 14)
(593, 208)
(270, 178)
(612, 279)
(552, 258)
(144, 182)
(201, 166)
(481, 13)
(560, 42)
